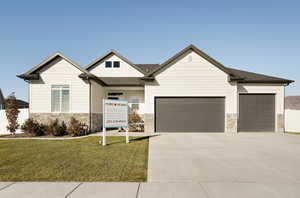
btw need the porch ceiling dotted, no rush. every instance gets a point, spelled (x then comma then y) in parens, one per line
(122, 81)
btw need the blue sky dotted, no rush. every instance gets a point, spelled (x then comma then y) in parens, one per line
(259, 36)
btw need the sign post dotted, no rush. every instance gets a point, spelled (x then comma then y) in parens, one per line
(115, 115)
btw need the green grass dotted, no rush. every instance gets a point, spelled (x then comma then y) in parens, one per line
(74, 160)
(294, 133)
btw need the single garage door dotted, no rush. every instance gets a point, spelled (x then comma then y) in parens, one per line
(257, 112)
(189, 114)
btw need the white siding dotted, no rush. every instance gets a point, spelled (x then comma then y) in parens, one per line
(60, 73)
(292, 120)
(192, 75)
(98, 94)
(278, 90)
(125, 69)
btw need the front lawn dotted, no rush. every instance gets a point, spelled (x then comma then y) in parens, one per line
(74, 160)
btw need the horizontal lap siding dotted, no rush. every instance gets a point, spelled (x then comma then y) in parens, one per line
(125, 69)
(191, 75)
(60, 73)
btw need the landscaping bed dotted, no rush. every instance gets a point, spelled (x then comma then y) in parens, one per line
(74, 160)
(26, 135)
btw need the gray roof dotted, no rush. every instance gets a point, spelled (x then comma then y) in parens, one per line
(234, 74)
(251, 77)
(151, 70)
(148, 68)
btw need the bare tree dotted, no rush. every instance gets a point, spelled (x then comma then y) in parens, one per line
(12, 112)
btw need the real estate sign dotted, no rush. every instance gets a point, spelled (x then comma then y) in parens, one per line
(115, 115)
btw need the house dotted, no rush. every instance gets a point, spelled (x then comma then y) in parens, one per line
(292, 102)
(21, 103)
(190, 92)
(2, 100)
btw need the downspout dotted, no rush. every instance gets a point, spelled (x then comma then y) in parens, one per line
(90, 106)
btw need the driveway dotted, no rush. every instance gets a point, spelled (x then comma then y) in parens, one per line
(247, 162)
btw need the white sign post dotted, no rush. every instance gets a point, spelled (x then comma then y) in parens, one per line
(115, 115)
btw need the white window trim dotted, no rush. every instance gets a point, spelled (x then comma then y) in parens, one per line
(60, 97)
(130, 103)
(112, 64)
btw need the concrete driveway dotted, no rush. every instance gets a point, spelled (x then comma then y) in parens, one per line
(248, 164)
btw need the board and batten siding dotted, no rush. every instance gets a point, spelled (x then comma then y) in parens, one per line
(192, 75)
(125, 70)
(61, 73)
(277, 89)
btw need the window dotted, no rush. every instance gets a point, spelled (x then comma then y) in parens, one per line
(116, 64)
(108, 64)
(60, 98)
(134, 105)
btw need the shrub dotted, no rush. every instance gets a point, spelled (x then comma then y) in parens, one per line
(56, 129)
(74, 128)
(33, 128)
(135, 122)
(12, 112)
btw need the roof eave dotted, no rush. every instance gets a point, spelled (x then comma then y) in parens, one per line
(86, 76)
(267, 81)
(29, 76)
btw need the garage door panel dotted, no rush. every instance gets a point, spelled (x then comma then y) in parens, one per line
(189, 114)
(256, 112)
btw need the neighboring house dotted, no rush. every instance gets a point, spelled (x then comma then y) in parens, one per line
(292, 102)
(21, 103)
(190, 92)
(2, 100)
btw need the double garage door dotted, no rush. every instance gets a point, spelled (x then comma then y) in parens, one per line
(190, 114)
(207, 114)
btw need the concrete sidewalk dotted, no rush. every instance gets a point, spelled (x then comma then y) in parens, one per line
(148, 190)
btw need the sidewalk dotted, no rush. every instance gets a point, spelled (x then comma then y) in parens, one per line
(148, 190)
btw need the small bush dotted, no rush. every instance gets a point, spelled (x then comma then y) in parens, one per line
(74, 128)
(135, 122)
(33, 128)
(57, 129)
(12, 112)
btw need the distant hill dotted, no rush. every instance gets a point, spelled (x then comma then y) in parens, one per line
(292, 102)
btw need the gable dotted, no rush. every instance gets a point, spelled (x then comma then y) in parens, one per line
(191, 64)
(125, 69)
(59, 67)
